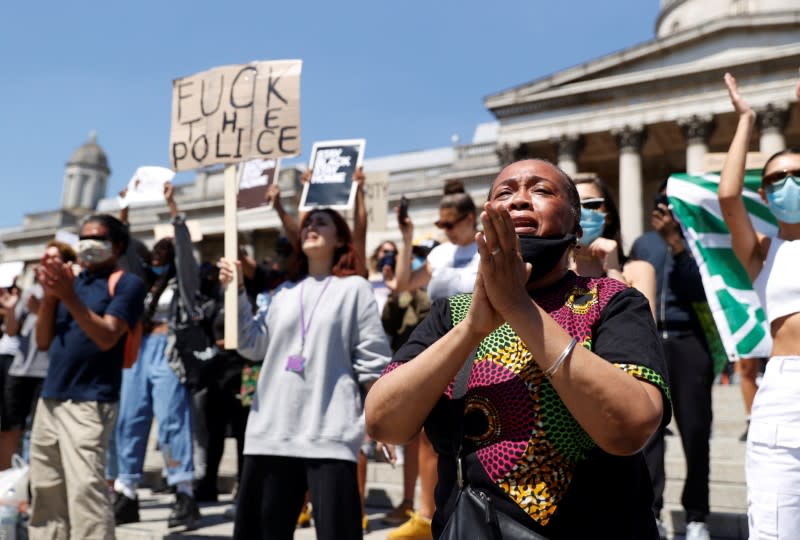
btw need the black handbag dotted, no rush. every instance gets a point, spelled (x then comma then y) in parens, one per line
(474, 515)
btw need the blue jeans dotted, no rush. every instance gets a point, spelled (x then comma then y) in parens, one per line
(148, 387)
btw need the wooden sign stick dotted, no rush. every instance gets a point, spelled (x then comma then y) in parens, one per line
(232, 255)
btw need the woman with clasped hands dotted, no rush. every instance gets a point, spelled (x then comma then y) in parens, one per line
(552, 431)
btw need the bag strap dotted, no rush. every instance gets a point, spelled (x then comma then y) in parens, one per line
(113, 279)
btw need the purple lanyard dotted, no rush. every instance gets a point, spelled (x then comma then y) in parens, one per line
(303, 326)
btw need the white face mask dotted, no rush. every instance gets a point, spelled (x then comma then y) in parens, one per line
(93, 251)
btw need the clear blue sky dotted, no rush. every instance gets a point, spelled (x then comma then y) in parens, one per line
(403, 75)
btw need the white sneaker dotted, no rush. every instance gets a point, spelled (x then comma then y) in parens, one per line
(697, 530)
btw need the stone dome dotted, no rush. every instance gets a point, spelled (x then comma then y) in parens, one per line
(90, 155)
(678, 15)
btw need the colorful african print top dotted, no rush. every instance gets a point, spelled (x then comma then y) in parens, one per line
(520, 441)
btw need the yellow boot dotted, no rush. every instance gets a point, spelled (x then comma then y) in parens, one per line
(304, 519)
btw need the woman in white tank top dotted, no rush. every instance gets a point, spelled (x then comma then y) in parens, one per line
(773, 443)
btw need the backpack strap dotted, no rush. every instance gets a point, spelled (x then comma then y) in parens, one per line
(113, 279)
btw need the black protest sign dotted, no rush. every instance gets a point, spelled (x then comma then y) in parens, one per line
(333, 164)
(235, 113)
(255, 176)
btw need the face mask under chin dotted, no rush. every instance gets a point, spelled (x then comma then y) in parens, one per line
(543, 253)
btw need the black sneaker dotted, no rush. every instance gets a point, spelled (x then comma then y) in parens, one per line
(184, 512)
(126, 510)
(163, 487)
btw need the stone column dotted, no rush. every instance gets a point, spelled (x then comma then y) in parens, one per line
(697, 129)
(631, 214)
(567, 148)
(771, 122)
(88, 190)
(508, 154)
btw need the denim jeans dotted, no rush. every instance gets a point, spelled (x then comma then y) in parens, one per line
(151, 387)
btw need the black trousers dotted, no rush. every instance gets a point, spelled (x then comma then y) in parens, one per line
(691, 374)
(222, 409)
(272, 492)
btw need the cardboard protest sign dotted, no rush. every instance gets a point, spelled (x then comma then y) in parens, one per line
(255, 176)
(9, 272)
(333, 164)
(146, 186)
(234, 113)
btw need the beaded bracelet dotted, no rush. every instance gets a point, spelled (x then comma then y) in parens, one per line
(555, 366)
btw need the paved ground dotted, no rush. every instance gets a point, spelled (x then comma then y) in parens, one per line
(728, 503)
(154, 509)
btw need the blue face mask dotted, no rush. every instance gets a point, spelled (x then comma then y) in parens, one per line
(159, 270)
(592, 222)
(783, 199)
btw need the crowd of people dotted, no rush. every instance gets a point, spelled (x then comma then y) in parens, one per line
(527, 367)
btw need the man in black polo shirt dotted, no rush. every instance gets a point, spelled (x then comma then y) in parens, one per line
(689, 363)
(83, 326)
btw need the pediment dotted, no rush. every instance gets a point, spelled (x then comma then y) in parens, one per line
(722, 45)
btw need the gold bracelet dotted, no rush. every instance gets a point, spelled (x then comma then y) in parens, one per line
(555, 366)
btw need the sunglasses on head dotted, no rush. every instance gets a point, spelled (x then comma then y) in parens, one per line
(778, 178)
(594, 203)
(448, 225)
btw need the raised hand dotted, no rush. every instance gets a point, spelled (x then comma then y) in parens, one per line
(226, 271)
(505, 274)
(273, 194)
(56, 278)
(359, 177)
(741, 106)
(8, 299)
(605, 250)
(306, 176)
(169, 191)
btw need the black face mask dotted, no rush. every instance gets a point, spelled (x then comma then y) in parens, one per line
(543, 252)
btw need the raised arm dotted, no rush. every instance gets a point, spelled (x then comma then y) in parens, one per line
(745, 240)
(405, 278)
(360, 216)
(290, 225)
(185, 264)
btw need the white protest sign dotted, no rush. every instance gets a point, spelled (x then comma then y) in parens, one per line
(234, 113)
(146, 186)
(9, 272)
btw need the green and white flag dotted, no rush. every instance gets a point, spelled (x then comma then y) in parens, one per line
(735, 307)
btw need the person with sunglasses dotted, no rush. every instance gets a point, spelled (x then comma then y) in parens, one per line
(772, 463)
(599, 252)
(451, 268)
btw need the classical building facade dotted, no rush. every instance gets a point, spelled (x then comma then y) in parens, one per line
(633, 117)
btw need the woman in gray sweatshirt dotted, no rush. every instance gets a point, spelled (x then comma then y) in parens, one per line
(323, 345)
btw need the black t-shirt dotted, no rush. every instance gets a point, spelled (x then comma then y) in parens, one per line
(521, 443)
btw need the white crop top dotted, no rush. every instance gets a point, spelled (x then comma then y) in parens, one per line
(777, 285)
(161, 314)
